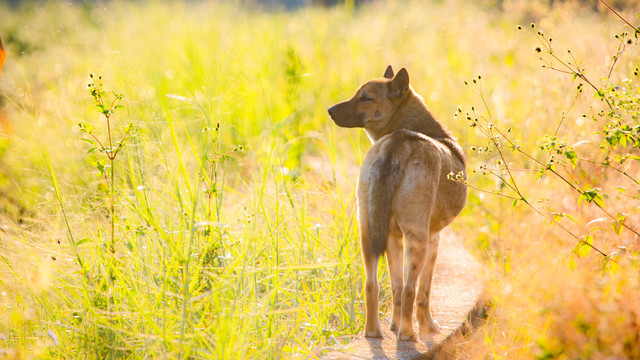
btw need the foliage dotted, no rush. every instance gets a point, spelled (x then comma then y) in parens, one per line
(577, 324)
(617, 124)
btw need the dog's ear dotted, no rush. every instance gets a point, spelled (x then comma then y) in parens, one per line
(388, 74)
(399, 86)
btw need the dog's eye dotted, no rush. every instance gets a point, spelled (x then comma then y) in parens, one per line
(365, 98)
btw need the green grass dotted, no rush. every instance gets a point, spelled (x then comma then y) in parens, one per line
(266, 264)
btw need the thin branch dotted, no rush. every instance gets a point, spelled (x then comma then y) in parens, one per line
(636, 29)
(564, 114)
(605, 163)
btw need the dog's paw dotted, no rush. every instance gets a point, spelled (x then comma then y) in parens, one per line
(407, 335)
(394, 326)
(431, 326)
(373, 334)
(426, 323)
(427, 336)
(427, 333)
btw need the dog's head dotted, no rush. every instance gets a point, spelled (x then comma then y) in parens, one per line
(374, 103)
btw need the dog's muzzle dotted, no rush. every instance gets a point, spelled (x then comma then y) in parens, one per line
(332, 111)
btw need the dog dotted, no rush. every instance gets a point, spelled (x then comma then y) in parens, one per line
(405, 191)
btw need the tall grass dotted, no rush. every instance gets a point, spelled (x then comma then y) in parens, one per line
(251, 253)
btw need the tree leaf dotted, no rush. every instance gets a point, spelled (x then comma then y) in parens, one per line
(103, 109)
(583, 247)
(592, 195)
(621, 217)
(572, 156)
(608, 263)
(619, 223)
(599, 200)
(617, 227)
(557, 216)
(584, 250)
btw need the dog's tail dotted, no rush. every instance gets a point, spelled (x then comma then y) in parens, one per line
(386, 173)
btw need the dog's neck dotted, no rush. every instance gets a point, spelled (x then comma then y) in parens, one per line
(412, 114)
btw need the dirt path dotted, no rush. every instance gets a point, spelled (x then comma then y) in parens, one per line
(456, 293)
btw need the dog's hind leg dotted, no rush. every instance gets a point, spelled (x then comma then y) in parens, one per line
(371, 290)
(423, 311)
(415, 242)
(414, 203)
(371, 287)
(394, 260)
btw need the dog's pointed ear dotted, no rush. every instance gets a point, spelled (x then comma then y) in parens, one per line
(399, 86)
(388, 74)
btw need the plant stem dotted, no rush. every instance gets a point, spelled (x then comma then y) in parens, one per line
(111, 155)
(113, 209)
(636, 29)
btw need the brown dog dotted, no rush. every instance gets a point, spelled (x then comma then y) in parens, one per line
(403, 191)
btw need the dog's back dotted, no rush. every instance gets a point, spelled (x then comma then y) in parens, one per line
(418, 164)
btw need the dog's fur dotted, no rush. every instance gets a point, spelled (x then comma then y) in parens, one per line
(403, 191)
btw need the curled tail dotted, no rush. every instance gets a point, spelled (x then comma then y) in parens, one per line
(385, 176)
